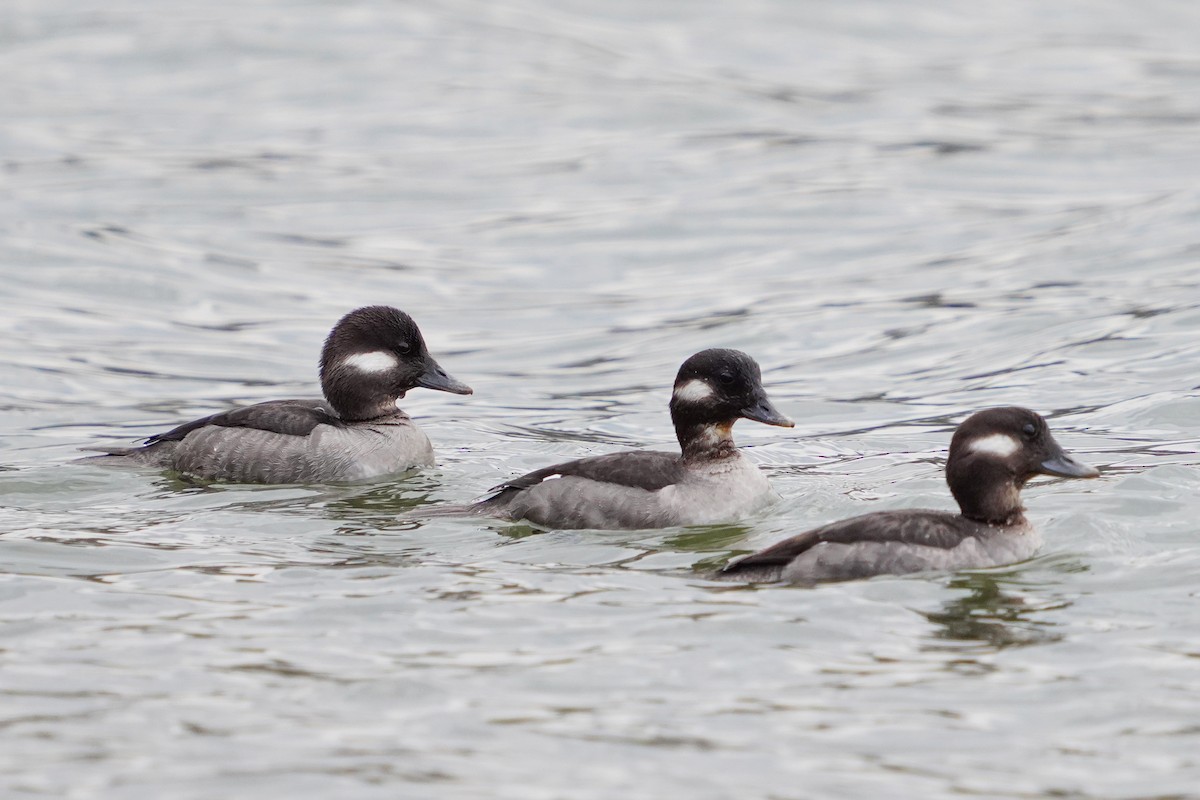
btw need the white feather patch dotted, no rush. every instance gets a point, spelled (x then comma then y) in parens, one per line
(375, 361)
(711, 434)
(551, 477)
(998, 444)
(693, 391)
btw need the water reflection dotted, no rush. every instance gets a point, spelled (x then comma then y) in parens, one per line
(515, 531)
(384, 502)
(989, 614)
(719, 538)
(701, 539)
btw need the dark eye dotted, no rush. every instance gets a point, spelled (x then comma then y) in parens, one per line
(404, 348)
(726, 377)
(1030, 430)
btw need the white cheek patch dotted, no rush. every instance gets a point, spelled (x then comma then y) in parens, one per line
(998, 444)
(375, 361)
(694, 391)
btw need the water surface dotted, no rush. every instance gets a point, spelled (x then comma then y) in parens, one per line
(905, 211)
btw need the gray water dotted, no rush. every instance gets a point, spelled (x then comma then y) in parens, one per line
(905, 211)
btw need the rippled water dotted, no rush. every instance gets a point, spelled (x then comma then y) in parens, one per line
(904, 211)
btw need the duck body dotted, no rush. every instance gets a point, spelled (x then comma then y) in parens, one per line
(709, 481)
(373, 356)
(286, 441)
(889, 543)
(992, 455)
(638, 489)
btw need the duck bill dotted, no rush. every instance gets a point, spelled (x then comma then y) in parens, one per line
(437, 378)
(762, 411)
(1063, 466)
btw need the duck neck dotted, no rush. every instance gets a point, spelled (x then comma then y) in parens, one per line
(355, 407)
(356, 397)
(987, 493)
(381, 411)
(705, 441)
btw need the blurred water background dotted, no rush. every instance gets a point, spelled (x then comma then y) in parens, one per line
(906, 211)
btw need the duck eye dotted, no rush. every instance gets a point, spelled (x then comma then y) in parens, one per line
(726, 377)
(1030, 430)
(404, 348)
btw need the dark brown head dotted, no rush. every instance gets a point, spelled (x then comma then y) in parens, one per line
(995, 452)
(372, 357)
(714, 389)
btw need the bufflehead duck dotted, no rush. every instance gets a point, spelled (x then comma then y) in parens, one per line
(710, 481)
(371, 358)
(992, 455)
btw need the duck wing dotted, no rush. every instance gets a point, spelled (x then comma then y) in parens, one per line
(917, 527)
(642, 469)
(289, 417)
